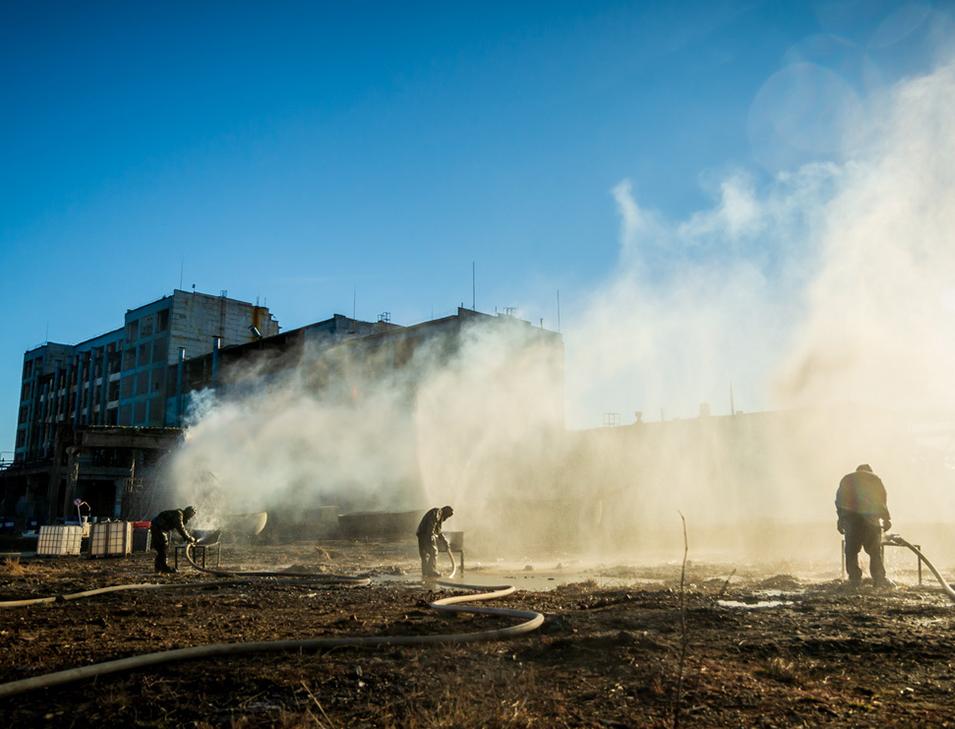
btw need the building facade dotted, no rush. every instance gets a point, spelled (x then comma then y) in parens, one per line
(121, 377)
(96, 419)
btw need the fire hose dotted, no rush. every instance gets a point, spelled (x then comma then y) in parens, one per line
(531, 621)
(101, 591)
(320, 576)
(896, 540)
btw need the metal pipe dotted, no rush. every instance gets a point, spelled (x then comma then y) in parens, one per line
(180, 365)
(897, 540)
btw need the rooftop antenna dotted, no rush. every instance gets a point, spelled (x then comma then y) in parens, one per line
(473, 289)
(182, 263)
(558, 310)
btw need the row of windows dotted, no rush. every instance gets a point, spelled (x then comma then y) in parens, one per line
(145, 353)
(147, 325)
(143, 383)
(139, 414)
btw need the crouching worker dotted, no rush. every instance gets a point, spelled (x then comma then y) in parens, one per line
(429, 536)
(860, 505)
(164, 523)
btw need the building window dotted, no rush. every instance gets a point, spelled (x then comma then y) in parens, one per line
(140, 417)
(142, 387)
(157, 408)
(158, 376)
(162, 320)
(132, 331)
(129, 358)
(25, 392)
(113, 391)
(126, 388)
(143, 355)
(21, 438)
(125, 415)
(146, 326)
(160, 350)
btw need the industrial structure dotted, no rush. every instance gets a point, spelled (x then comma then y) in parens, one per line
(96, 418)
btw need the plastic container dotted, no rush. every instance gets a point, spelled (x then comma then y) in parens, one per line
(111, 539)
(59, 540)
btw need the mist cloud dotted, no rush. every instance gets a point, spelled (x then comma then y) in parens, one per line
(825, 291)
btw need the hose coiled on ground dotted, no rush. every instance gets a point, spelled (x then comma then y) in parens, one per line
(531, 621)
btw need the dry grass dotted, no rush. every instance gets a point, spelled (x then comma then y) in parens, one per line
(779, 669)
(12, 567)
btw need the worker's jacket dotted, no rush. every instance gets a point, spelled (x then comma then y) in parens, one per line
(430, 525)
(171, 519)
(861, 493)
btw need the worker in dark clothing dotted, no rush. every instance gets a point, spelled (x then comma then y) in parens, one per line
(860, 505)
(164, 523)
(429, 536)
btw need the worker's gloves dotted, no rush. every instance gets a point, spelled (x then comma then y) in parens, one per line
(886, 525)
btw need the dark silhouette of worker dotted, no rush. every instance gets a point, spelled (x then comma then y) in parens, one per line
(860, 505)
(164, 523)
(429, 536)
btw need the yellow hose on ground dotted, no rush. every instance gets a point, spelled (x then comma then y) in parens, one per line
(531, 621)
(99, 591)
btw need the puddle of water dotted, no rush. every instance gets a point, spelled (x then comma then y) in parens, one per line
(533, 582)
(759, 604)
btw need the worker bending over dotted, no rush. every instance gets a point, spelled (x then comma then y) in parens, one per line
(429, 535)
(860, 504)
(164, 523)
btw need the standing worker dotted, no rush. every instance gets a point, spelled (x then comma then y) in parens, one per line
(860, 504)
(429, 535)
(164, 523)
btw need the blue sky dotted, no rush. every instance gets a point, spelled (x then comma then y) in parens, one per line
(297, 152)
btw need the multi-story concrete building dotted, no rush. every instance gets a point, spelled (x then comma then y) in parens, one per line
(97, 418)
(120, 377)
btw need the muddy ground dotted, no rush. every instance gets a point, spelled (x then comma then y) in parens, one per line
(761, 649)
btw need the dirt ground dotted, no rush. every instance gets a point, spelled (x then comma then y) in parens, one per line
(761, 649)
